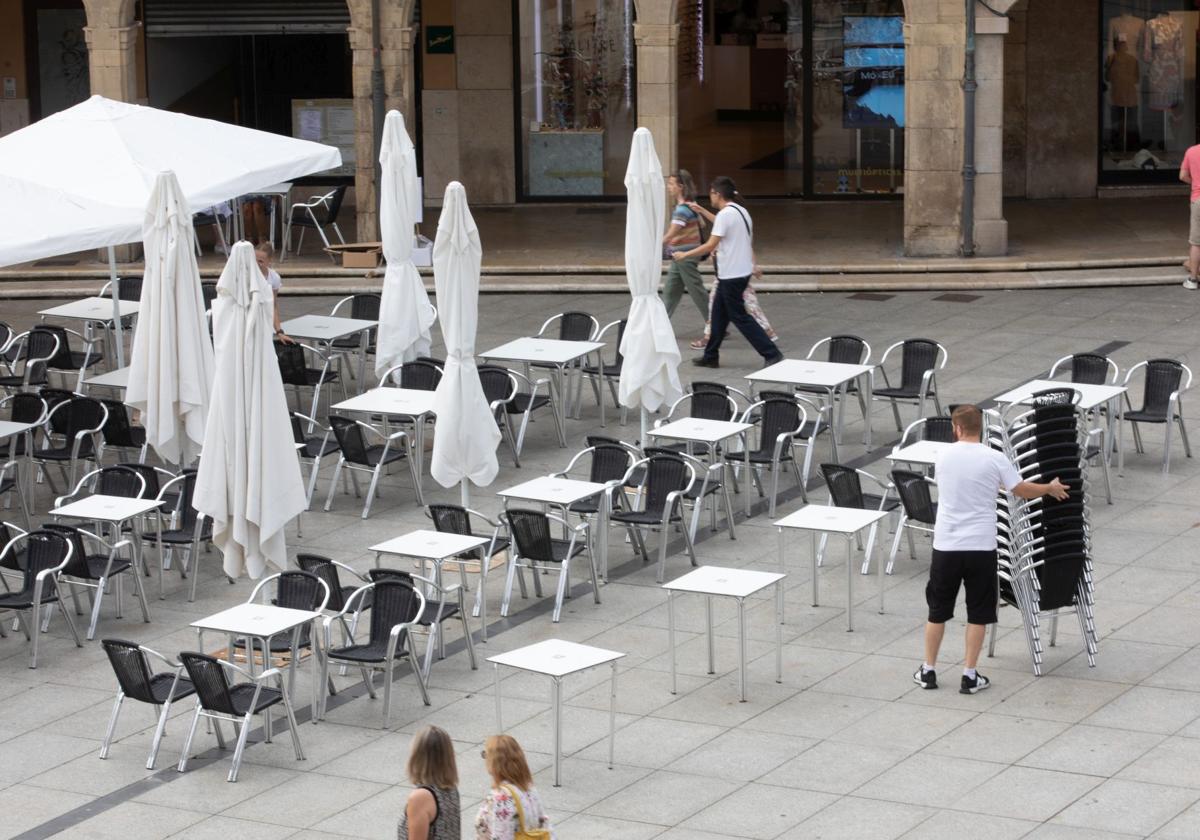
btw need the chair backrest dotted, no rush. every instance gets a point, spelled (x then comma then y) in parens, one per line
(777, 416)
(1162, 379)
(61, 360)
(1055, 396)
(298, 590)
(711, 405)
(44, 549)
(610, 462)
(846, 350)
(52, 397)
(187, 513)
(845, 485)
(917, 356)
(350, 439)
(118, 430)
(914, 494)
(77, 566)
(365, 306)
(576, 326)
(26, 408)
(9, 560)
(35, 349)
(208, 676)
(621, 338)
(531, 532)
(939, 429)
(293, 368)
(6, 334)
(149, 474)
(665, 474)
(79, 414)
(131, 669)
(335, 204)
(497, 383)
(208, 293)
(393, 601)
(298, 433)
(121, 481)
(420, 375)
(324, 569)
(1090, 369)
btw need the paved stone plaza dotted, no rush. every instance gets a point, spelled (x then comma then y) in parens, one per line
(845, 747)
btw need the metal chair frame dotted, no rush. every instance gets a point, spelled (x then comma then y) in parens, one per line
(388, 441)
(906, 525)
(435, 634)
(350, 346)
(322, 449)
(672, 507)
(16, 351)
(864, 357)
(576, 366)
(563, 567)
(928, 387)
(164, 712)
(499, 408)
(94, 433)
(885, 488)
(88, 357)
(784, 443)
(324, 380)
(331, 203)
(1114, 372)
(485, 560)
(1174, 412)
(50, 576)
(182, 499)
(602, 373)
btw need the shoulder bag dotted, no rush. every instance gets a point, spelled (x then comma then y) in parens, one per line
(523, 833)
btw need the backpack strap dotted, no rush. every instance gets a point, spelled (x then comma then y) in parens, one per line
(520, 811)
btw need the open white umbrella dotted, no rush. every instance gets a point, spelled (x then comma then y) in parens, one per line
(171, 366)
(249, 477)
(650, 372)
(464, 446)
(405, 314)
(82, 178)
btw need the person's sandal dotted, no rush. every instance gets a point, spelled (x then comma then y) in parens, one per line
(699, 344)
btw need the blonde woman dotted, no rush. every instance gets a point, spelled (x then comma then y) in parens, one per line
(513, 803)
(432, 810)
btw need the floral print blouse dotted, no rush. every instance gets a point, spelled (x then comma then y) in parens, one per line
(497, 818)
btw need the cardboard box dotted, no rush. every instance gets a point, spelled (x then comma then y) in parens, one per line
(358, 254)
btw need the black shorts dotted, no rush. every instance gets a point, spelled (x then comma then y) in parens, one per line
(976, 569)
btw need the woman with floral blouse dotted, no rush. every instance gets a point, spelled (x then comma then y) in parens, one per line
(513, 799)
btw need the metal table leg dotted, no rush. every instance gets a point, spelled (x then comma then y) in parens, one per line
(849, 583)
(882, 572)
(869, 377)
(671, 634)
(612, 715)
(712, 650)
(779, 630)
(781, 569)
(813, 536)
(741, 611)
(557, 731)
(499, 714)
(749, 477)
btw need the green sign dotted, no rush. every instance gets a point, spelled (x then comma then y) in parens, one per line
(439, 40)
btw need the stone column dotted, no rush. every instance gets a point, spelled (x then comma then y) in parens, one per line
(991, 229)
(656, 37)
(111, 34)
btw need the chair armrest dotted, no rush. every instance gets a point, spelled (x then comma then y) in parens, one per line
(151, 652)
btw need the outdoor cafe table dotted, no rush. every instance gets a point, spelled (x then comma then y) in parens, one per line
(262, 622)
(556, 659)
(1091, 397)
(922, 452)
(826, 519)
(562, 493)
(437, 547)
(552, 352)
(115, 511)
(408, 403)
(329, 328)
(10, 429)
(832, 376)
(92, 310)
(711, 433)
(738, 584)
(117, 379)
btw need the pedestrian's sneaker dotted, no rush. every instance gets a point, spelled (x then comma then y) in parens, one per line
(925, 679)
(974, 686)
(1190, 283)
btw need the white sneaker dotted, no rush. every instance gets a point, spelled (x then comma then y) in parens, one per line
(1190, 283)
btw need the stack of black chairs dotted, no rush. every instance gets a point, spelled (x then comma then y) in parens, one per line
(1044, 545)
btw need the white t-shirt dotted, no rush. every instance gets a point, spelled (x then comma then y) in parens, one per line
(735, 252)
(969, 476)
(274, 280)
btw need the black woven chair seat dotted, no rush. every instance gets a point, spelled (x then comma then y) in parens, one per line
(449, 610)
(757, 456)
(97, 562)
(314, 449)
(352, 343)
(180, 536)
(241, 694)
(19, 381)
(694, 493)
(871, 502)
(558, 550)
(584, 507)
(312, 376)
(609, 370)
(375, 453)
(1142, 416)
(63, 454)
(851, 388)
(375, 651)
(523, 402)
(84, 359)
(160, 687)
(901, 392)
(637, 517)
(806, 431)
(24, 600)
(279, 644)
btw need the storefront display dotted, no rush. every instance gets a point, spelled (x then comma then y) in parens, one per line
(1148, 114)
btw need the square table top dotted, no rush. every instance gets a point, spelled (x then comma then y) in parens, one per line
(325, 327)
(106, 508)
(8, 428)
(836, 520)
(548, 350)
(430, 545)
(920, 452)
(718, 580)
(92, 309)
(282, 188)
(406, 402)
(1092, 396)
(555, 657)
(258, 620)
(553, 491)
(698, 430)
(809, 372)
(118, 378)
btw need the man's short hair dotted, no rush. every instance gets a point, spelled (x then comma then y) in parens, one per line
(723, 186)
(968, 418)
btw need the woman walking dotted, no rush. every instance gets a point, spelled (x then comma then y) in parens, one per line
(683, 234)
(513, 804)
(432, 811)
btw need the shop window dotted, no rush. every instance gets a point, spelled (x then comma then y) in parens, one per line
(1148, 109)
(576, 113)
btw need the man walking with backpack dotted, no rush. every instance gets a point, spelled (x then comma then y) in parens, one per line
(732, 238)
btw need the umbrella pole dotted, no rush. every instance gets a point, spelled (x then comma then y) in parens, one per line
(645, 425)
(466, 493)
(112, 288)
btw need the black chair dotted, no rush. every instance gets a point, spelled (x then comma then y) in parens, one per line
(359, 456)
(666, 481)
(135, 680)
(572, 326)
(188, 530)
(219, 700)
(120, 433)
(456, 519)
(1161, 391)
(1088, 369)
(778, 420)
(71, 362)
(443, 602)
(607, 464)
(938, 428)
(28, 355)
(208, 293)
(295, 371)
(843, 350)
(918, 511)
(534, 548)
(705, 490)
(396, 608)
(46, 554)
(317, 213)
(295, 590)
(920, 359)
(525, 403)
(128, 288)
(22, 408)
(846, 490)
(608, 373)
(81, 421)
(312, 447)
(417, 375)
(363, 307)
(500, 388)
